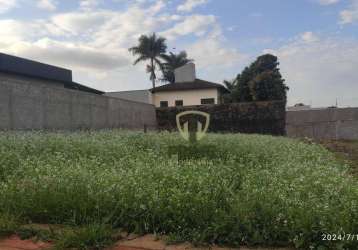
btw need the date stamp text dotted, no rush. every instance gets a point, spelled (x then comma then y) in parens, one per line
(340, 237)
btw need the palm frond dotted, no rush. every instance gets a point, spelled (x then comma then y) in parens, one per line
(150, 48)
(140, 59)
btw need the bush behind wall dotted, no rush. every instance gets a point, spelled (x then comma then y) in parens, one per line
(249, 117)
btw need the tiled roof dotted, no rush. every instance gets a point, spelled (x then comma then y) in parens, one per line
(197, 84)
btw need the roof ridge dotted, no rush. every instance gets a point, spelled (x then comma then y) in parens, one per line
(197, 84)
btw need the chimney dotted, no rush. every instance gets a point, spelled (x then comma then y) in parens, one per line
(185, 73)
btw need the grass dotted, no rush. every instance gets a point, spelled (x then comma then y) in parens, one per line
(233, 190)
(92, 236)
(347, 151)
(8, 224)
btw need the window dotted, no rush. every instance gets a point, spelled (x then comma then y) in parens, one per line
(208, 101)
(163, 104)
(179, 103)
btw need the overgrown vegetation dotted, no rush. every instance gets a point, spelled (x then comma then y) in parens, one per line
(250, 190)
(261, 81)
(8, 224)
(346, 151)
(92, 236)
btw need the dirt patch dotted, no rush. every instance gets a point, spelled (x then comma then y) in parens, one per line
(15, 243)
(152, 242)
(126, 242)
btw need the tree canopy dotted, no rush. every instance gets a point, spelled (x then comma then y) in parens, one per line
(150, 48)
(153, 49)
(261, 81)
(171, 62)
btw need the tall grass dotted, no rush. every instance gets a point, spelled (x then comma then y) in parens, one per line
(242, 189)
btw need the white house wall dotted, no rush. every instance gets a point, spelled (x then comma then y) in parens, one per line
(189, 97)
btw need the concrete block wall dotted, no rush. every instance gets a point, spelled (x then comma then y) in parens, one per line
(31, 104)
(333, 123)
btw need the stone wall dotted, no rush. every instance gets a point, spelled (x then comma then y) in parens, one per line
(331, 123)
(254, 117)
(31, 104)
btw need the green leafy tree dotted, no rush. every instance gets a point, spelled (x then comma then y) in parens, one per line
(171, 62)
(261, 81)
(242, 90)
(231, 86)
(267, 86)
(150, 48)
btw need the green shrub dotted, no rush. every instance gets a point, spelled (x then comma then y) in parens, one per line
(229, 189)
(8, 224)
(92, 236)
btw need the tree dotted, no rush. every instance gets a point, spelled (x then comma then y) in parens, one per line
(171, 62)
(230, 84)
(150, 48)
(267, 87)
(261, 81)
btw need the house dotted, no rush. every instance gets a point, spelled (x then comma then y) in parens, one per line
(24, 70)
(186, 91)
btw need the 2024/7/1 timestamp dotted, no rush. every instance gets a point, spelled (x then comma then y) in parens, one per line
(340, 237)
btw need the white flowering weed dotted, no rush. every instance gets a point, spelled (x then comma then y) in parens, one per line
(250, 189)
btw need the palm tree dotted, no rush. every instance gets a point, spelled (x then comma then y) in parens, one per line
(150, 48)
(230, 85)
(171, 62)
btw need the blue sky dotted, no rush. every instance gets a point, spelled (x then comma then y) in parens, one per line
(316, 40)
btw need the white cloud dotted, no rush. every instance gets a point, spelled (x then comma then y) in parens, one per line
(328, 2)
(7, 5)
(80, 23)
(320, 72)
(350, 15)
(189, 5)
(94, 44)
(158, 6)
(309, 37)
(195, 24)
(16, 31)
(71, 54)
(89, 4)
(49, 5)
(210, 52)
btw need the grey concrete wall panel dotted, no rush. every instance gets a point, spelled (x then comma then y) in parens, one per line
(114, 109)
(325, 130)
(99, 112)
(335, 123)
(5, 107)
(144, 96)
(58, 109)
(27, 104)
(347, 130)
(27, 107)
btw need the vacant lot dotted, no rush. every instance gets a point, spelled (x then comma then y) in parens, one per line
(229, 189)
